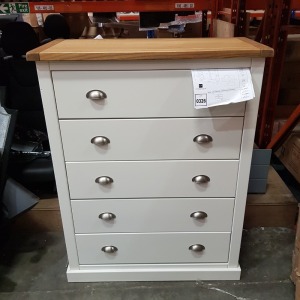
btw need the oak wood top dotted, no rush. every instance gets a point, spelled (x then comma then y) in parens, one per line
(148, 49)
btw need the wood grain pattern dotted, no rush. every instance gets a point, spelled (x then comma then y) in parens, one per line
(35, 53)
(148, 49)
(260, 46)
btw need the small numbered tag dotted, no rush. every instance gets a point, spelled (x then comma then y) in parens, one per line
(200, 100)
(185, 5)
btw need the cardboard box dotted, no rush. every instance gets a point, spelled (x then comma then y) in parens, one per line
(223, 29)
(279, 123)
(289, 154)
(276, 208)
(293, 48)
(44, 217)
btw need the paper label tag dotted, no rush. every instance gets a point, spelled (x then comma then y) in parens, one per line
(44, 7)
(215, 87)
(185, 5)
(201, 100)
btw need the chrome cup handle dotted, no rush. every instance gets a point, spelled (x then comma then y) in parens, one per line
(104, 180)
(199, 215)
(203, 139)
(199, 179)
(197, 248)
(109, 249)
(96, 95)
(100, 140)
(107, 216)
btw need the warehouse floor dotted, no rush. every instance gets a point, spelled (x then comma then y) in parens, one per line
(33, 266)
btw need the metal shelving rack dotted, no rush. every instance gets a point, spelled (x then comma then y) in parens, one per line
(119, 6)
(273, 32)
(146, 5)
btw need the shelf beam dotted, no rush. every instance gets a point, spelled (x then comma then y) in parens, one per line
(119, 6)
(274, 34)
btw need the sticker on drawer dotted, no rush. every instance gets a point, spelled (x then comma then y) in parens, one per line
(200, 100)
(215, 87)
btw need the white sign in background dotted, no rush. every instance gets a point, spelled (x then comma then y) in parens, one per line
(215, 87)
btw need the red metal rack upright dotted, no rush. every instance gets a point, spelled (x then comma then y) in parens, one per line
(273, 32)
(121, 6)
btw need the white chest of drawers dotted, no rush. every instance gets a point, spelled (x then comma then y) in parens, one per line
(149, 187)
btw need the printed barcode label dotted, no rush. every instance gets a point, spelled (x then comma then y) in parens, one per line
(184, 5)
(44, 7)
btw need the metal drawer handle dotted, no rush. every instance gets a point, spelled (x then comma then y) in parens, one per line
(197, 248)
(96, 95)
(107, 216)
(100, 140)
(199, 215)
(201, 179)
(109, 249)
(203, 139)
(104, 180)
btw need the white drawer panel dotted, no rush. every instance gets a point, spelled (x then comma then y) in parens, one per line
(152, 248)
(152, 179)
(151, 139)
(131, 94)
(152, 215)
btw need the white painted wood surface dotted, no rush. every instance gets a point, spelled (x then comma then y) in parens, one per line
(132, 94)
(65, 100)
(152, 248)
(153, 272)
(149, 267)
(153, 215)
(257, 69)
(53, 130)
(151, 179)
(150, 139)
(142, 65)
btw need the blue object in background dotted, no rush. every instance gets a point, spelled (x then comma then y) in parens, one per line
(150, 34)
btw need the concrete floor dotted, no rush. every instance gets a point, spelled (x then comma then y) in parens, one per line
(33, 266)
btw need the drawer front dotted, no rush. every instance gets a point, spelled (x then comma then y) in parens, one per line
(153, 248)
(131, 94)
(152, 179)
(152, 215)
(151, 139)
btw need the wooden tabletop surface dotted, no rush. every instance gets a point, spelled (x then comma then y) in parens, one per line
(148, 49)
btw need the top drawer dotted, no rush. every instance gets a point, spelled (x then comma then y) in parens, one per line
(131, 94)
